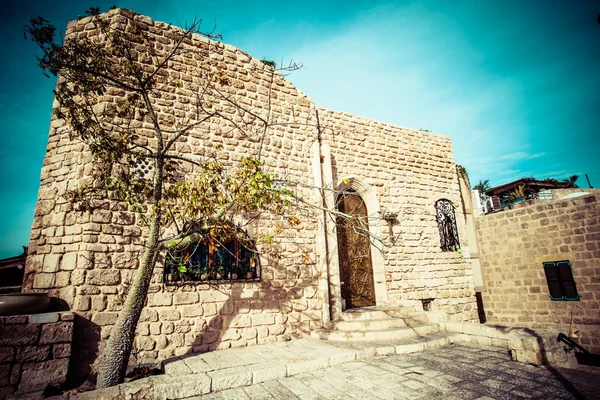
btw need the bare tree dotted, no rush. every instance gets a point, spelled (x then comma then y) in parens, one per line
(110, 87)
(123, 59)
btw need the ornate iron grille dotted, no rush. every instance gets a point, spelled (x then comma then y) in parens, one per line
(446, 221)
(354, 246)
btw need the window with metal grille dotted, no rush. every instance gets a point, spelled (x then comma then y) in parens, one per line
(560, 281)
(446, 221)
(231, 259)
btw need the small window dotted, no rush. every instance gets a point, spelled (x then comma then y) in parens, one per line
(446, 221)
(560, 281)
(232, 259)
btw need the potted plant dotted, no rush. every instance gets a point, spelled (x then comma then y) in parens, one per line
(202, 273)
(182, 271)
(219, 271)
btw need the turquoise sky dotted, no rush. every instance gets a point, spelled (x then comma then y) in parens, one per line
(516, 84)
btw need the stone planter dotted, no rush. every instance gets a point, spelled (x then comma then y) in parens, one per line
(23, 303)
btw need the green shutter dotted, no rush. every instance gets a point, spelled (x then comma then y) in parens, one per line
(568, 283)
(560, 280)
(553, 279)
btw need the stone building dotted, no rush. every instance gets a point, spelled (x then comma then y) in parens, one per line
(541, 266)
(404, 182)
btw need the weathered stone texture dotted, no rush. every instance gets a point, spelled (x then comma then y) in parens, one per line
(409, 170)
(34, 351)
(515, 243)
(88, 259)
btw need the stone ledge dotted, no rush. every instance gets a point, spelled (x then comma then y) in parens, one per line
(525, 345)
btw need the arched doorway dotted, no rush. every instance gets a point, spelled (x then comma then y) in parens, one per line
(354, 251)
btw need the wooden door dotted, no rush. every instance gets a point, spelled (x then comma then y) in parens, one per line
(354, 246)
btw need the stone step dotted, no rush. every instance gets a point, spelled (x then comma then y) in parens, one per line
(377, 335)
(375, 313)
(378, 324)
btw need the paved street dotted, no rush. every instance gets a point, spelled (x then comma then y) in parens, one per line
(452, 372)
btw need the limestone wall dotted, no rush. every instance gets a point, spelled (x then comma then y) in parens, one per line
(88, 259)
(515, 243)
(409, 171)
(34, 352)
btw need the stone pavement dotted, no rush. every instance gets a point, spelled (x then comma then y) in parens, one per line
(451, 372)
(315, 369)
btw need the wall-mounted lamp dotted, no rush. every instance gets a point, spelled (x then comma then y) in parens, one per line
(389, 217)
(426, 304)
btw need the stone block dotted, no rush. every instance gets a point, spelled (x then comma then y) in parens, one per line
(186, 298)
(51, 263)
(140, 389)
(19, 335)
(155, 328)
(193, 311)
(213, 296)
(148, 315)
(105, 318)
(263, 319)
(33, 354)
(68, 262)
(35, 263)
(267, 371)
(410, 348)
(161, 342)
(177, 367)
(240, 321)
(6, 354)
(36, 376)
(298, 366)
(228, 378)
(169, 315)
(85, 260)
(43, 318)
(197, 365)
(170, 387)
(60, 332)
(15, 374)
(83, 303)
(5, 374)
(145, 343)
(14, 320)
(160, 299)
(44, 281)
(103, 277)
(61, 350)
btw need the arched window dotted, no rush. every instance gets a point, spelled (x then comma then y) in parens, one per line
(230, 259)
(446, 221)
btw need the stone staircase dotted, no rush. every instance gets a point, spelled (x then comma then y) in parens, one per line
(378, 324)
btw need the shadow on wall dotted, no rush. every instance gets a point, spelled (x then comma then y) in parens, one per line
(86, 337)
(235, 321)
(229, 314)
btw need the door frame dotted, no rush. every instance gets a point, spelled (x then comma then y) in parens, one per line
(367, 193)
(347, 267)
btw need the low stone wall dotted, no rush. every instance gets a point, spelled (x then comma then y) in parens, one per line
(34, 351)
(514, 246)
(525, 345)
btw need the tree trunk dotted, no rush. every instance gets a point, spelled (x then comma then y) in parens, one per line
(115, 356)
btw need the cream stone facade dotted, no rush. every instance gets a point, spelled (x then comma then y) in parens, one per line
(88, 259)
